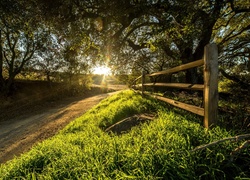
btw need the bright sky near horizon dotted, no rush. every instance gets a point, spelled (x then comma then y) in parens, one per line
(102, 70)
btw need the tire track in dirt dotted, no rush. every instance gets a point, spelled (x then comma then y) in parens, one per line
(19, 134)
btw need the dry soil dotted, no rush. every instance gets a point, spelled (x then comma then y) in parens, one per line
(19, 133)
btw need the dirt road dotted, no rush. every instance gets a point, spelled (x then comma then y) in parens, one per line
(19, 134)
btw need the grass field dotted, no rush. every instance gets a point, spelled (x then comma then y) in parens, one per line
(159, 149)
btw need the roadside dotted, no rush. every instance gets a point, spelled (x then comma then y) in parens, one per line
(19, 133)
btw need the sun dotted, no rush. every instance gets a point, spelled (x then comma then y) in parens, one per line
(102, 70)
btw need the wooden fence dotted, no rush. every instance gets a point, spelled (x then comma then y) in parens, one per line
(209, 88)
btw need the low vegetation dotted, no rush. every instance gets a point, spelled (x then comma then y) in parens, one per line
(234, 106)
(159, 149)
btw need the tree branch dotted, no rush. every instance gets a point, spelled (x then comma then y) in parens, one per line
(5, 56)
(136, 47)
(240, 148)
(228, 37)
(235, 79)
(227, 23)
(138, 26)
(1, 59)
(235, 139)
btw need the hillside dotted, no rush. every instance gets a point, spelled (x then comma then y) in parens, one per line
(159, 148)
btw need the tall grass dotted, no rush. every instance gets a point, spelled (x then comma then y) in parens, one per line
(159, 149)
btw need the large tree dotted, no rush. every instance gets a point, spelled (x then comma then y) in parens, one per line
(178, 29)
(232, 32)
(21, 35)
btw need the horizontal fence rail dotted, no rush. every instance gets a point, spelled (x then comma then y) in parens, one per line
(209, 88)
(188, 107)
(198, 87)
(180, 68)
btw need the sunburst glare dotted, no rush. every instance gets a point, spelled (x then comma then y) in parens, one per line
(102, 70)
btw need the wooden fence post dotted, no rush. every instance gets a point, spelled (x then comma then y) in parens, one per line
(142, 82)
(211, 96)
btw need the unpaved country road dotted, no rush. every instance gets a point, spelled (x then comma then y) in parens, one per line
(19, 134)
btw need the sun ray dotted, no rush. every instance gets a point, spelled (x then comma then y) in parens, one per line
(102, 70)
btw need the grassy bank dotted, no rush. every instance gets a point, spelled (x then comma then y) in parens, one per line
(158, 149)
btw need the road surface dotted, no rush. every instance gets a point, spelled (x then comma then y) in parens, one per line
(19, 134)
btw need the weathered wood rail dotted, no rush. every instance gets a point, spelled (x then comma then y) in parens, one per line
(209, 88)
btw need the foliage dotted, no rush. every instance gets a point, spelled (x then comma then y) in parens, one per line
(20, 37)
(233, 42)
(49, 58)
(156, 150)
(135, 35)
(149, 30)
(234, 106)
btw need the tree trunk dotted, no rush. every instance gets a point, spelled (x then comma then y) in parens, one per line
(6, 87)
(2, 81)
(191, 74)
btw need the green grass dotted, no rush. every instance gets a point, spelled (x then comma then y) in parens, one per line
(160, 149)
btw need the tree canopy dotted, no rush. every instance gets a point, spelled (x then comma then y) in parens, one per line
(134, 34)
